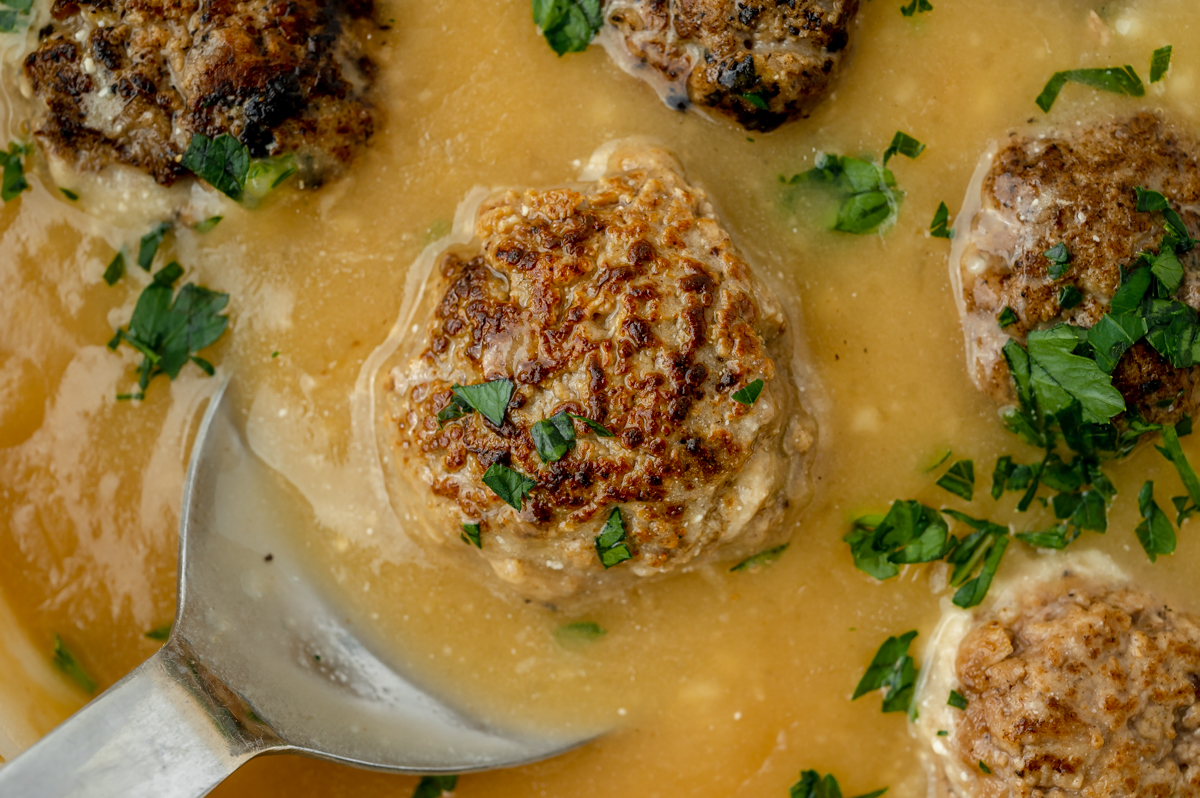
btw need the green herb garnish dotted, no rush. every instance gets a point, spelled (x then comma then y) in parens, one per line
(435, 786)
(568, 25)
(222, 162)
(960, 479)
(116, 269)
(1155, 532)
(983, 766)
(812, 785)
(909, 533)
(470, 535)
(610, 544)
(1160, 62)
(1118, 80)
(13, 181)
(1068, 297)
(160, 633)
(553, 437)
(757, 100)
(867, 192)
(761, 560)
(65, 661)
(207, 225)
(939, 227)
(511, 486)
(267, 174)
(903, 144)
(148, 246)
(69, 194)
(957, 700)
(1060, 260)
(749, 394)
(169, 328)
(893, 671)
(489, 398)
(594, 426)
(1007, 317)
(571, 635)
(916, 7)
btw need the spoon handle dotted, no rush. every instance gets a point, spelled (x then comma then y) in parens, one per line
(161, 732)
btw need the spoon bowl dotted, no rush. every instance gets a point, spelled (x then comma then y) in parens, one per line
(259, 661)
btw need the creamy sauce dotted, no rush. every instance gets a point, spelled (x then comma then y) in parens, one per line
(720, 684)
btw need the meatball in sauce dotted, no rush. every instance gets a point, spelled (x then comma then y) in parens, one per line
(622, 302)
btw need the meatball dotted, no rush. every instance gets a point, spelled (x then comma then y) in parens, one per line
(623, 302)
(1076, 684)
(759, 62)
(1077, 187)
(130, 82)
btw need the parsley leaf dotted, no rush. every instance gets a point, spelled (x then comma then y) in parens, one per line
(916, 7)
(983, 766)
(169, 328)
(1060, 260)
(761, 560)
(1002, 473)
(470, 535)
(568, 25)
(1007, 317)
(1155, 532)
(893, 671)
(610, 543)
(982, 549)
(435, 786)
(757, 100)
(571, 635)
(65, 661)
(1150, 201)
(455, 409)
(160, 633)
(909, 533)
(939, 227)
(69, 194)
(13, 181)
(1174, 452)
(594, 426)
(749, 394)
(115, 270)
(148, 247)
(960, 479)
(1060, 377)
(207, 225)
(1068, 297)
(511, 486)
(903, 144)
(489, 398)
(812, 785)
(267, 174)
(867, 191)
(1160, 62)
(956, 700)
(222, 162)
(553, 437)
(1118, 80)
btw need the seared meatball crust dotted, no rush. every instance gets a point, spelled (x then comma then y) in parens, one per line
(1082, 688)
(131, 81)
(1075, 186)
(758, 62)
(621, 300)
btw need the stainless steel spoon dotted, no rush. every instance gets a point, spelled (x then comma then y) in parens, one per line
(258, 662)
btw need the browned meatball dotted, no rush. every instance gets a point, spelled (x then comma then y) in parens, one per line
(1077, 187)
(131, 81)
(622, 301)
(1082, 686)
(759, 62)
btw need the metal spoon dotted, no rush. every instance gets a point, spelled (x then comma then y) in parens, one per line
(258, 662)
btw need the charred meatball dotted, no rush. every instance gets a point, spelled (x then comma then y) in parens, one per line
(759, 62)
(622, 302)
(1077, 187)
(130, 82)
(1077, 685)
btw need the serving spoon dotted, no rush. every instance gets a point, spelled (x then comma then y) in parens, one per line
(258, 662)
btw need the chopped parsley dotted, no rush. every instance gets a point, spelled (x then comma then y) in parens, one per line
(1007, 317)
(749, 394)
(65, 661)
(160, 633)
(169, 328)
(553, 437)
(867, 192)
(116, 269)
(470, 535)
(1189, 504)
(960, 479)
(903, 144)
(1155, 532)
(956, 700)
(267, 174)
(980, 553)
(893, 671)
(1160, 62)
(943, 733)
(761, 560)
(69, 194)
(223, 163)
(611, 544)
(489, 398)
(13, 181)
(916, 7)
(568, 25)
(15, 9)
(207, 225)
(812, 785)
(1068, 297)
(757, 100)
(939, 227)
(511, 486)
(983, 766)
(594, 426)
(570, 635)
(1060, 260)
(1118, 80)
(148, 246)
(435, 786)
